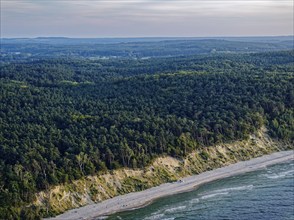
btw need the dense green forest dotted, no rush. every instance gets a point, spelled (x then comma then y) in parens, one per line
(65, 118)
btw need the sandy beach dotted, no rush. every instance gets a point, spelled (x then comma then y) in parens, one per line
(139, 199)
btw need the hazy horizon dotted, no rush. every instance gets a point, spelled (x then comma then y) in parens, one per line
(145, 18)
(150, 37)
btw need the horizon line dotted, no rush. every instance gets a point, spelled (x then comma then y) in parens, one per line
(142, 37)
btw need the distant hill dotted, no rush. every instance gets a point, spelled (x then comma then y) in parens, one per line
(67, 40)
(97, 48)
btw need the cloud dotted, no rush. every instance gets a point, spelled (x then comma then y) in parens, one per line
(146, 17)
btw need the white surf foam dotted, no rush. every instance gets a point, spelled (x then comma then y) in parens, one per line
(280, 175)
(102, 218)
(155, 217)
(225, 191)
(238, 188)
(213, 195)
(175, 209)
(193, 201)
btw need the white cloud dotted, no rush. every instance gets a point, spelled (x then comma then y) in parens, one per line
(146, 17)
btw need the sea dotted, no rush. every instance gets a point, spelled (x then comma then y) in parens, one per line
(266, 194)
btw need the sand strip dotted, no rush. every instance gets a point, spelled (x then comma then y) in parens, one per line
(139, 199)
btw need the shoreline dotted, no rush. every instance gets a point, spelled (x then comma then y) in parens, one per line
(140, 199)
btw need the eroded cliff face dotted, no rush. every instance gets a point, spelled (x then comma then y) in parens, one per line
(93, 189)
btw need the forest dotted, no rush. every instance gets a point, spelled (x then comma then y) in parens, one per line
(66, 117)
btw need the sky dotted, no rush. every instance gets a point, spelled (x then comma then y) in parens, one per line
(145, 18)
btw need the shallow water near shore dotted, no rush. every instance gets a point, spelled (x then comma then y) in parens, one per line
(262, 194)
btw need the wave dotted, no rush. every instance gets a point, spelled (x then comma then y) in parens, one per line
(105, 217)
(175, 209)
(213, 195)
(238, 188)
(279, 175)
(160, 214)
(193, 201)
(225, 191)
(155, 216)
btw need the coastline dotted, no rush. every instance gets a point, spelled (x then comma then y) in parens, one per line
(136, 200)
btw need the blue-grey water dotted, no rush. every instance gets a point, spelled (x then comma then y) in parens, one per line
(263, 194)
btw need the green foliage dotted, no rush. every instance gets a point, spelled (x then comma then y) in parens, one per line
(63, 119)
(204, 155)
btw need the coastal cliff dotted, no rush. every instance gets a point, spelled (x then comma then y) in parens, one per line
(93, 189)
